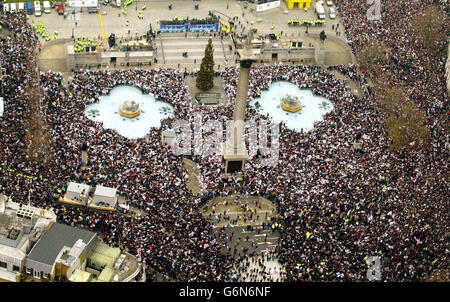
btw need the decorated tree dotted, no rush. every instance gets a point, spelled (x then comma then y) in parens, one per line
(205, 78)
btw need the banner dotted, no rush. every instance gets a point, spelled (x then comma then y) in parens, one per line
(267, 6)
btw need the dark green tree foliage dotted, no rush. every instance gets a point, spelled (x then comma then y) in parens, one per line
(205, 78)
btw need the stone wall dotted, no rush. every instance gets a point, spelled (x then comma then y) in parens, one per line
(85, 60)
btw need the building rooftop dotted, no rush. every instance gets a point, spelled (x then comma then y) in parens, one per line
(113, 265)
(80, 276)
(19, 220)
(13, 228)
(106, 275)
(103, 255)
(76, 251)
(10, 226)
(55, 239)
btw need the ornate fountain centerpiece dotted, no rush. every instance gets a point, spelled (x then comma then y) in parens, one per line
(291, 103)
(130, 109)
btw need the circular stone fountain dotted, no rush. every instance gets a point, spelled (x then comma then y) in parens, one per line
(291, 103)
(133, 118)
(129, 109)
(312, 107)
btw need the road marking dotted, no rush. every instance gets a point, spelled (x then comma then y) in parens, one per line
(101, 22)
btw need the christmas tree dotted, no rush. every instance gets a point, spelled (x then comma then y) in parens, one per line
(205, 78)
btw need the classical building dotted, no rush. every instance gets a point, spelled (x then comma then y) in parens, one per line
(31, 241)
(77, 255)
(289, 50)
(60, 251)
(21, 226)
(83, 60)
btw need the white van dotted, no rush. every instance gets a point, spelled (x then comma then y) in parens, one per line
(118, 3)
(320, 11)
(5, 7)
(13, 7)
(47, 7)
(37, 8)
(21, 6)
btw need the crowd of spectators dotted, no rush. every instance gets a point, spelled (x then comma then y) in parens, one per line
(337, 206)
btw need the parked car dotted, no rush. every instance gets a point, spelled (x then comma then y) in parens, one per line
(30, 8)
(13, 7)
(61, 9)
(47, 7)
(332, 13)
(5, 7)
(21, 6)
(37, 8)
(329, 3)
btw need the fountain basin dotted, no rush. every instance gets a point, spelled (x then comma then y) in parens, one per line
(108, 111)
(313, 107)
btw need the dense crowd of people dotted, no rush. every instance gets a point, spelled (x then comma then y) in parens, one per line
(337, 206)
(172, 239)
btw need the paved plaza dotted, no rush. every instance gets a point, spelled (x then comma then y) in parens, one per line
(170, 46)
(348, 183)
(89, 25)
(240, 223)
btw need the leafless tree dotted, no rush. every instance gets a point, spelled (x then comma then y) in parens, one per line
(428, 30)
(37, 139)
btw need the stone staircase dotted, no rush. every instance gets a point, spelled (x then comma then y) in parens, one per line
(170, 50)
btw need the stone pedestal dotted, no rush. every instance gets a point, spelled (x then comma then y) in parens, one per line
(168, 137)
(234, 150)
(84, 158)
